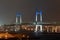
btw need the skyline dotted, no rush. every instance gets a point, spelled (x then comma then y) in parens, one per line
(8, 9)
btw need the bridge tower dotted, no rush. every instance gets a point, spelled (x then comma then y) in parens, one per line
(18, 18)
(38, 13)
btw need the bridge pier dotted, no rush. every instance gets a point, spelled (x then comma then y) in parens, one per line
(40, 28)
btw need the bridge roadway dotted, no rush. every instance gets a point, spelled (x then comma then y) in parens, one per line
(40, 23)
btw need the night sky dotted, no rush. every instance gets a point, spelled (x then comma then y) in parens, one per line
(8, 9)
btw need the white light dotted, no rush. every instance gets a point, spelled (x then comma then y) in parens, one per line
(34, 23)
(41, 28)
(0, 24)
(15, 30)
(36, 28)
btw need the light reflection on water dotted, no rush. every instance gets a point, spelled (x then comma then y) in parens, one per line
(26, 35)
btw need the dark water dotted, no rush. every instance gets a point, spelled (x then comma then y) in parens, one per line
(37, 36)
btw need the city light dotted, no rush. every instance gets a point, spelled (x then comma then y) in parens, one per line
(35, 27)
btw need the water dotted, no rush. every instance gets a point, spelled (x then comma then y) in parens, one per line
(35, 36)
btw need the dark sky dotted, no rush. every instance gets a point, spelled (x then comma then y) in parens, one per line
(8, 9)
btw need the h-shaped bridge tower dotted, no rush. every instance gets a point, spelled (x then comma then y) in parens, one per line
(18, 18)
(38, 13)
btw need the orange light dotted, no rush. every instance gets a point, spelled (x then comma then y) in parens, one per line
(31, 29)
(6, 36)
(0, 37)
(23, 35)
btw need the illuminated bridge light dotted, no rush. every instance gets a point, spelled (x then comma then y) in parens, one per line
(18, 18)
(34, 23)
(40, 12)
(36, 29)
(18, 14)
